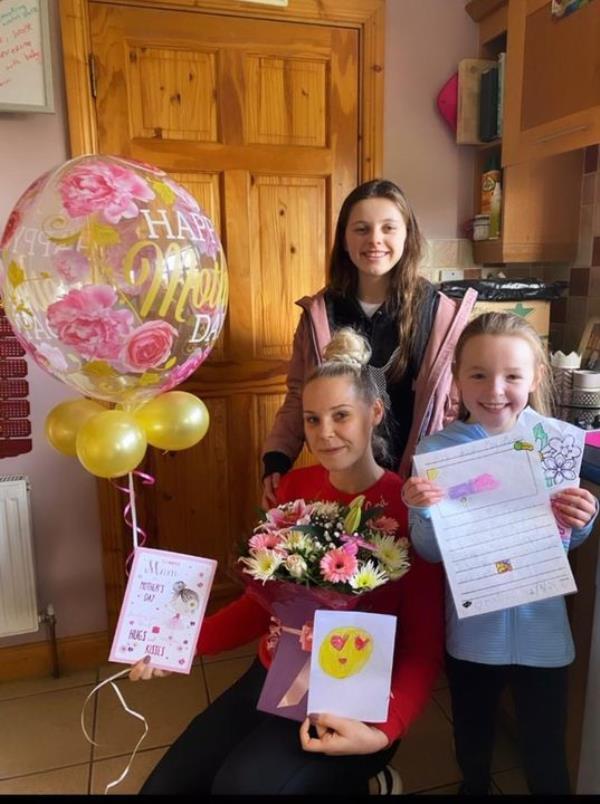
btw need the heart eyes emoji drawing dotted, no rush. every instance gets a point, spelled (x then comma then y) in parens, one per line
(345, 651)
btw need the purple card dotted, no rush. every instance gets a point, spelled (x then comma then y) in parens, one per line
(285, 690)
(163, 609)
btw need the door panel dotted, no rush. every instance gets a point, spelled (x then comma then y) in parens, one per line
(259, 120)
(287, 219)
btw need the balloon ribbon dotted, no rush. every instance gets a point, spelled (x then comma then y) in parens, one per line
(130, 512)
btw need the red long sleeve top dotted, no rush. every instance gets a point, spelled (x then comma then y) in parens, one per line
(416, 600)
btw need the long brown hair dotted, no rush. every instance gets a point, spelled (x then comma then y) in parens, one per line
(541, 398)
(406, 288)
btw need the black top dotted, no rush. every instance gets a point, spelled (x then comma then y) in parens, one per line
(381, 331)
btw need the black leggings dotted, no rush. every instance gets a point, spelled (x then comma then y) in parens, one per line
(540, 698)
(232, 748)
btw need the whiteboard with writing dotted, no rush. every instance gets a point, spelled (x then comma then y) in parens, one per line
(25, 62)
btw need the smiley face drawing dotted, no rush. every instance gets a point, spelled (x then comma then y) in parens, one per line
(345, 651)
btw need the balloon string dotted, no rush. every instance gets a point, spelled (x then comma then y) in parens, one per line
(134, 524)
(130, 512)
(111, 680)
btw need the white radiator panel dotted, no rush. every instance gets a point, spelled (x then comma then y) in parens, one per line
(18, 601)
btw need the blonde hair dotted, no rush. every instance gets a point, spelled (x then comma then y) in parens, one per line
(347, 355)
(541, 397)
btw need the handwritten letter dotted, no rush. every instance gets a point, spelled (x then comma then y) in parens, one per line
(499, 539)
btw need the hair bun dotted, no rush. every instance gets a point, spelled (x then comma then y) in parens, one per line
(349, 347)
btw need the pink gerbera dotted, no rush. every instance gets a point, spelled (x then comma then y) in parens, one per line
(386, 524)
(338, 566)
(265, 541)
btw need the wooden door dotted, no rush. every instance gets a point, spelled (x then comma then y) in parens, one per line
(552, 99)
(259, 119)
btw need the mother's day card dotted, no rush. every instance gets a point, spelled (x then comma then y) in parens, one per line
(351, 664)
(163, 609)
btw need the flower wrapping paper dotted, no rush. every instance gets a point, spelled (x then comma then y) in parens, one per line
(295, 605)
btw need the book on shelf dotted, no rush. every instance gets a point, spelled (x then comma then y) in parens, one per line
(501, 63)
(488, 105)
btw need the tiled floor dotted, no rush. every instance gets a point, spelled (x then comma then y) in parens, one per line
(44, 750)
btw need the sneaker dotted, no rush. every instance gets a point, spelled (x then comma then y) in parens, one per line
(390, 783)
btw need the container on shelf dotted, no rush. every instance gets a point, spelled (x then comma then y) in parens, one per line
(481, 227)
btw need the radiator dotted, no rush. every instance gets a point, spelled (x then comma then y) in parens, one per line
(18, 602)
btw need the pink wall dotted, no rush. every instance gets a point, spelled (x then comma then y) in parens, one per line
(63, 494)
(425, 40)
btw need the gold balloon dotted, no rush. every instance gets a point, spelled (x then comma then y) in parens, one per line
(174, 420)
(65, 420)
(111, 444)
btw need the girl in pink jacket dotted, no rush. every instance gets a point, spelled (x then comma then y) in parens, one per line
(374, 287)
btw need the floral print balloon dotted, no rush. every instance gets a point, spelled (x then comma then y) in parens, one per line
(113, 278)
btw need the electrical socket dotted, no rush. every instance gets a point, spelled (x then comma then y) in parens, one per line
(451, 276)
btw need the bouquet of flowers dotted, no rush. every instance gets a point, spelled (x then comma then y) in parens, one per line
(305, 556)
(349, 548)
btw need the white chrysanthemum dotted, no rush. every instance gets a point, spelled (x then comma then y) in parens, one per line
(368, 577)
(295, 565)
(297, 541)
(262, 564)
(392, 553)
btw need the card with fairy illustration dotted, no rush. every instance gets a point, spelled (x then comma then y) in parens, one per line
(163, 609)
(351, 664)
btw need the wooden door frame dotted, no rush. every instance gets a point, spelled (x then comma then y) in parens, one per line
(365, 16)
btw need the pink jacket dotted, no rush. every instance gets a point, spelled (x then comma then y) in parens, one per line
(436, 398)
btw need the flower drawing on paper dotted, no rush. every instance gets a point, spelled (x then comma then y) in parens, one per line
(559, 459)
(352, 548)
(109, 189)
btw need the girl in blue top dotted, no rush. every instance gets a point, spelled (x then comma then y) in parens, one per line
(500, 367)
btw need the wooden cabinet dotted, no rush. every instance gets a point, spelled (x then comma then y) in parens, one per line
(580, 609)
(553, 69)
(541, 194)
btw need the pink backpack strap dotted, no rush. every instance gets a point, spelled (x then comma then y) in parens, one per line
(434, 381)
(316, 312)
(443, 359)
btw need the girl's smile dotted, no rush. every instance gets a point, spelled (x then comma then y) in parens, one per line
(495, 377)
(375, 238)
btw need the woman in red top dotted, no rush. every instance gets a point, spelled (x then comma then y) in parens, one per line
(233, 748)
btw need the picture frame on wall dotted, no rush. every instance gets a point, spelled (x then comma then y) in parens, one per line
(589, 346)
(25, 57)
